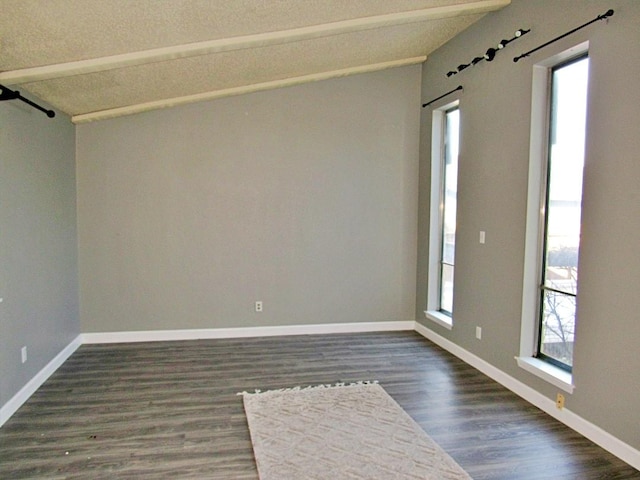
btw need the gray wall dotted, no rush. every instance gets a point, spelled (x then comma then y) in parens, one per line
(304, 198)
(495, 112)
(38, 242)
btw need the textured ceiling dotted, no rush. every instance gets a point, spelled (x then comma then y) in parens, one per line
(97, 59)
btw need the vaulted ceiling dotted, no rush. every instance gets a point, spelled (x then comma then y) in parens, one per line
(97, 59)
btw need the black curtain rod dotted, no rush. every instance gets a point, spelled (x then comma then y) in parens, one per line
(8, 94)
(604, 16)
(459, 87)
(490, 54)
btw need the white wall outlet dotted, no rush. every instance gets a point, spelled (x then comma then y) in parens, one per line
(23, 353)
(258, 306)
(482, 237)
(479, 333)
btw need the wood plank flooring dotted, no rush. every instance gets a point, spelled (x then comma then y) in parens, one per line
(169, 410)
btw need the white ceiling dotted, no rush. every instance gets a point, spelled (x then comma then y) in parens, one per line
(96, 59)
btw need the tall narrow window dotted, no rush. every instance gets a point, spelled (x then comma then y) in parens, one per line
(442, 230)
(449, 195)
(554, 211)
(562, 212)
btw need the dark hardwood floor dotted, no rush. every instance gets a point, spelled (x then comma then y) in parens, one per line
(169, 410)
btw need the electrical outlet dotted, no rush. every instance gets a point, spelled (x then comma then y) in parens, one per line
(258, 306)
(479, 333)
(23, 354)
(560, 401)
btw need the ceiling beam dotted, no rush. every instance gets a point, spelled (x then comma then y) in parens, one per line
(83, 67)
(228, 92)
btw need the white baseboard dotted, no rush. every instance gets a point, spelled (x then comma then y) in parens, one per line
(244, 332)
(9, 408)
(594, 433)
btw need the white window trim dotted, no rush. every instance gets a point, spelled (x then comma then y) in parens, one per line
(440, 318)
(538, 151)
(435, 215)
(550, 373)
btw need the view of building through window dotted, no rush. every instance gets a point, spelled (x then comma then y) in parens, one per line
(450, 191)
(563, 211)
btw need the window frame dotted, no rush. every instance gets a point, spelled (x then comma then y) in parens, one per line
(535, 234)
(434, 310)
(545, 217)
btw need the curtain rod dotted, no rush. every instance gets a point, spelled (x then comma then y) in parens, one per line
(459, 87)
(604, 16)
(8, 94)
(490, 54)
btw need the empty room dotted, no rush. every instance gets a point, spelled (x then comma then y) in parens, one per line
(290, 239)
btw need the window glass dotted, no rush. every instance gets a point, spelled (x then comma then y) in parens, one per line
(450, 192)
(562, 209)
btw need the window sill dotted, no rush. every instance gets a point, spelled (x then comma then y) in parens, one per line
(554, 375)
(439, 318)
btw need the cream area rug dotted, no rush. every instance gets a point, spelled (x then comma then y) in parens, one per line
(336, 432)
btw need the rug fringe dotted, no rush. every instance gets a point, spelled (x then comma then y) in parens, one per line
(311, 387)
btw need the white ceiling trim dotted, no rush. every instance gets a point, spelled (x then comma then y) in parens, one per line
(93, 65)
(228, 92)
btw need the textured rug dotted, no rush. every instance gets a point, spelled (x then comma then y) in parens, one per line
(337, 432)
